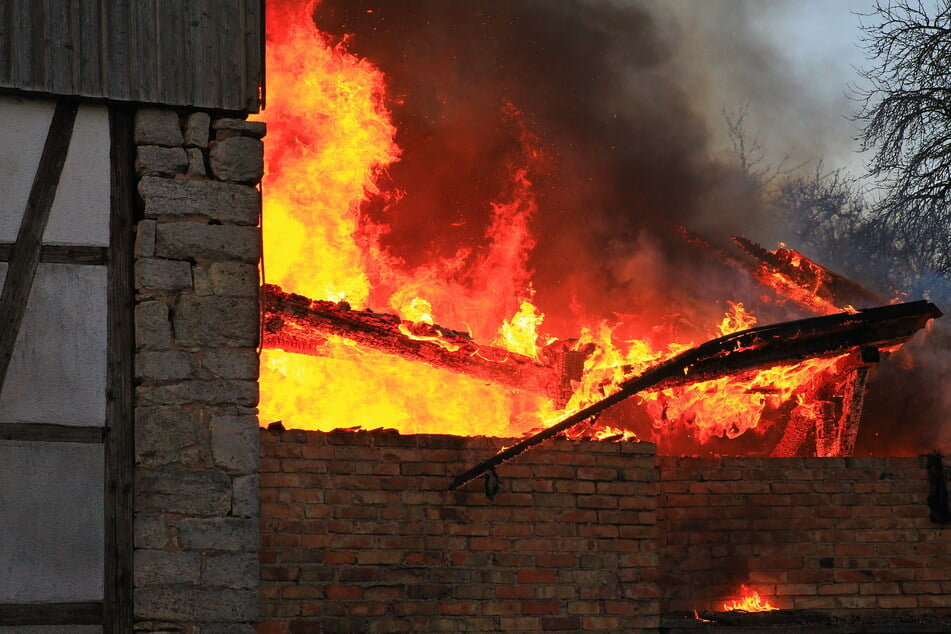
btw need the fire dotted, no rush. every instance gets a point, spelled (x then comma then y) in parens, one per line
(749, 601)
(330, 140)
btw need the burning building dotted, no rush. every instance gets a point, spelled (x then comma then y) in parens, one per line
(512, 378)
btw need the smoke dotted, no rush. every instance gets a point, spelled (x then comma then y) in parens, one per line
(626, 101)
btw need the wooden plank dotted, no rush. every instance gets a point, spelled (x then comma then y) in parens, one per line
(79, 613)
(88, 60)
(62, 254)
(172, 52)
(255, 80)
(26, 250)
(117, 38)
(61, 49)
(7, 37)
(120, 456)
(48, 432)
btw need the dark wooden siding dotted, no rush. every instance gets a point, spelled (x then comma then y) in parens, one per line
(203, 53)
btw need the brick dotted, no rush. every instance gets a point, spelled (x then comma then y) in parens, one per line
(163, 365)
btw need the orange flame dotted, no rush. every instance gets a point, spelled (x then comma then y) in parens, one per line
(330, 139)
(749, 601)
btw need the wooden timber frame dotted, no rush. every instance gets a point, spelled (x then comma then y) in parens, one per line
(114, 613)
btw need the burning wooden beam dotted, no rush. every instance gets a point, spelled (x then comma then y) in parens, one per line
(803, 281)
(299, 324)
(761, 347)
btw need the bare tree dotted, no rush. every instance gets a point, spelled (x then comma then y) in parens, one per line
(908, 127)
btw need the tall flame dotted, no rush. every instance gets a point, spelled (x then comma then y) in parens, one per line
(330, 139)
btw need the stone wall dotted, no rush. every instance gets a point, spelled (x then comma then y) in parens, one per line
(847, 536)
(359, 534)
(196, 331)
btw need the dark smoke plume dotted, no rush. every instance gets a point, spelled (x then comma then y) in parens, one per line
(624, 144)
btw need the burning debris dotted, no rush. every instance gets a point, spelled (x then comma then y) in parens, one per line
(830, 336)
(333, 191)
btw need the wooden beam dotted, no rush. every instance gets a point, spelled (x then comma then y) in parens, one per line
(47, 432)
(299, 324)
(120, 414)
(26, 250)
(78, 613)
(61, 254)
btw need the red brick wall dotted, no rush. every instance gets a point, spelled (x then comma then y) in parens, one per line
(833, 534)
(359, 534)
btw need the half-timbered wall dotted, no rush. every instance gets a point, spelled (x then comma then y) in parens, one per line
(58, 417)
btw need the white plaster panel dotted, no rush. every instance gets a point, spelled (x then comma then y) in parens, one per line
(58, 370)
(51, 527)
(80, 213)
(23, 127)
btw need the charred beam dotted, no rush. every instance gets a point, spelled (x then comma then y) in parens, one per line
(299, 324)
(816, 280)
(766, 346)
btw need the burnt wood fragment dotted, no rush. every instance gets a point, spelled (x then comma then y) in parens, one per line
(296, 323)
(814, 278)
(762, 347)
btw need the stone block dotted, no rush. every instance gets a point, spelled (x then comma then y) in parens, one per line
(184, 240)
(197, 127)
(153, 330)
(234, 279)
(234, 442)
(159, 567)
(202, 281)
(219, 534)
(185, 603)
(231, 570)
(163, 365)
(246, 500)
(157, 126)
(145, 239)
(226, 127)
(219, 392)
(239, 159)
(161, 432)
(160, 161)
(196, 162)
(230, 363)
(224, 202)
(150, 531)
(162, 275)
(216, 321)
(195, 492)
